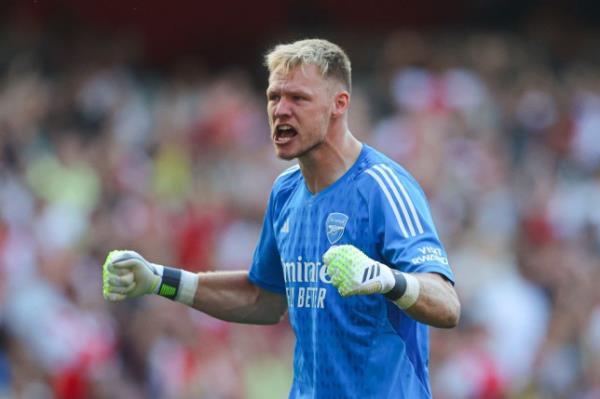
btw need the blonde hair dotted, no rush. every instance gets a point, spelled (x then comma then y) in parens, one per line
(331, 60)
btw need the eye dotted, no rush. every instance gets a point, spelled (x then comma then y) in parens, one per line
(273, 97)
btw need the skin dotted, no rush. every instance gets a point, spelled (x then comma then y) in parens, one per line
(316, 107)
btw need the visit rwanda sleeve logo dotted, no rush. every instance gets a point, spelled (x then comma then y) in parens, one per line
(335, 225)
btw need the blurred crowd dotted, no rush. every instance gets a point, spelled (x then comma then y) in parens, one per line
(98, 153)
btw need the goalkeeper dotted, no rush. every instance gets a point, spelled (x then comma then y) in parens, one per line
(348, 247)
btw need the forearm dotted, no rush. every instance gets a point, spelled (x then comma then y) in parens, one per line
(230, 296)
(437, 304)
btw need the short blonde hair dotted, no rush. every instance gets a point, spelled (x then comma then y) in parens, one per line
(331, 60)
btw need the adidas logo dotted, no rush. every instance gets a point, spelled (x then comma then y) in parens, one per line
(286, 226)
(371, 271)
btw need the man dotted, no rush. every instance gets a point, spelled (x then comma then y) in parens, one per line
(347, 247)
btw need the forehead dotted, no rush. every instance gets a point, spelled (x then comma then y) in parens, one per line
(305, 76)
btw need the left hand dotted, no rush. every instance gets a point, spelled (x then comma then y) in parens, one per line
(354, 273)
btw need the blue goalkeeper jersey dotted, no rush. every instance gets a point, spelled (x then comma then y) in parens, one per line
(360, 346)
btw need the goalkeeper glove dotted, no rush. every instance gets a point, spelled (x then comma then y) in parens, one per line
(354, 273)
(126, 274)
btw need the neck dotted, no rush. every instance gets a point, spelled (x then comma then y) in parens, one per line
(329, 161)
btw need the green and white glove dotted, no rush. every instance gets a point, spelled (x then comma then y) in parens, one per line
(354, 273)
(126, 274)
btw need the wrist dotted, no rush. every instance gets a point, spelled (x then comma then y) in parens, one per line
(176, 284)
(405, 291)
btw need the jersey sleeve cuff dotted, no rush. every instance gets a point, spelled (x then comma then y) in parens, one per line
(433, 269)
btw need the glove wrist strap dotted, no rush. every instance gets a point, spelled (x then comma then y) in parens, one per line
(399, 287)
(406, 290)
(176, 284)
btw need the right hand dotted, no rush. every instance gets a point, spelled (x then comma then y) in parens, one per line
(126, 274)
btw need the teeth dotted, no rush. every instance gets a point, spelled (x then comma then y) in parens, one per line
(284, 127)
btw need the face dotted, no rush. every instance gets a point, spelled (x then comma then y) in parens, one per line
(300, 106)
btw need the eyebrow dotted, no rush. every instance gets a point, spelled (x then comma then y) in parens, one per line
(271, 90)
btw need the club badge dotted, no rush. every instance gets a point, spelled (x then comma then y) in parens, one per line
(335, 225)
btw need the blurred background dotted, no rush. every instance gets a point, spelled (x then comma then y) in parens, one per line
(142, 125)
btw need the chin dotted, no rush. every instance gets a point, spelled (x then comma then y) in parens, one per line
(290, 154)
(285, 153)
(285, 156)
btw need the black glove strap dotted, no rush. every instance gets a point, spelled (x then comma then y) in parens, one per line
(169, 286)
(399, 287)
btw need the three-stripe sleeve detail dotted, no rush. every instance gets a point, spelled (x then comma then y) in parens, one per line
(411, 206)
(390, 200)
(392, 186)
(398, 198)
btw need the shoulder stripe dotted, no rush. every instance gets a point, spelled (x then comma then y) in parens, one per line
(388, 180)
(390, 200)
(289, 170)
(413, 211)
(398, 198)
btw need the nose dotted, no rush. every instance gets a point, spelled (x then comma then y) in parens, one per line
(282, 108)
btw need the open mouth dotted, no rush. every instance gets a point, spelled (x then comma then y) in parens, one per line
(284, 133)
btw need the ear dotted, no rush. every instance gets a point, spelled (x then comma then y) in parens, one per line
(341, 103)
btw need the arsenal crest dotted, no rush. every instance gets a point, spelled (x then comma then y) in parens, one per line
(335, 225)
